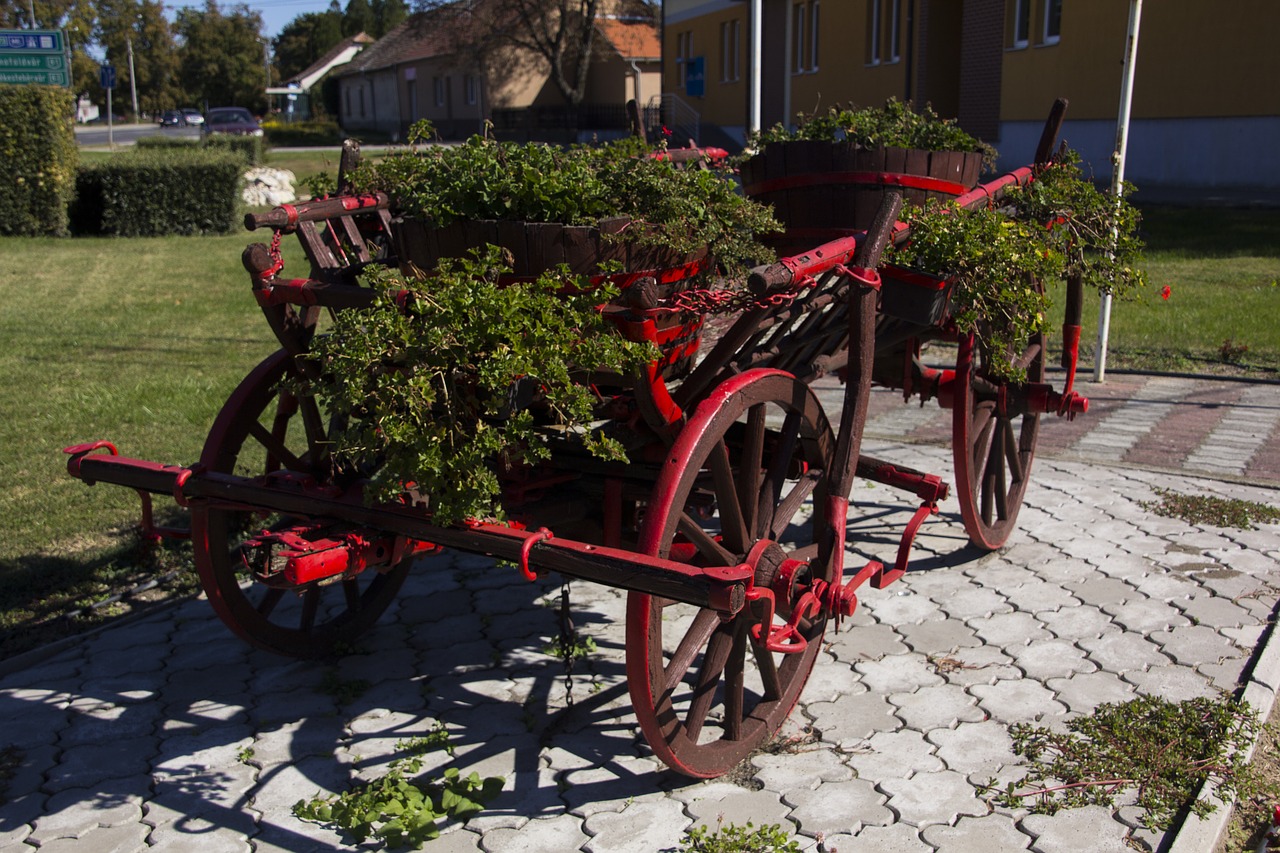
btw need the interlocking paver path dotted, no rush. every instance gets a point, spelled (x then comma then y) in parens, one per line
(168, 733)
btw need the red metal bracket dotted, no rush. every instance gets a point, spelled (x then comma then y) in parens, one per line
(540, 535)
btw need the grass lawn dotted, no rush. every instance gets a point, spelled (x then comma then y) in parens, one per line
(139, 341)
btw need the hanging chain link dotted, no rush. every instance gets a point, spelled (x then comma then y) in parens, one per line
(568, 645)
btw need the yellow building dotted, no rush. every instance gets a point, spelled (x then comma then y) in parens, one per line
(1205, 103)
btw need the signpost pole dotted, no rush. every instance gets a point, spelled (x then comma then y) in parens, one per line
(111, 138)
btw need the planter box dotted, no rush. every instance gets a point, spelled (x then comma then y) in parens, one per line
(822, 191)
(917, 297)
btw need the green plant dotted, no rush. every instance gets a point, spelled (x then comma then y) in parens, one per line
(578, 647)
(482, 179)
(343, 690)
(1164, 751)
(1211, 510)
(245, 755)
(427, 378)
(897, 124)
(738, 839)
(1058, 226)
(401, 811)
(1232, 352)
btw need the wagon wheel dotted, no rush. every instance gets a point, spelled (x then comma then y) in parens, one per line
(261, 429)
(706, 691)
(993, 449)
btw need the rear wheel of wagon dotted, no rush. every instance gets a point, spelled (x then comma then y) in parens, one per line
(993, 444)
(745, 482)
(264, 429)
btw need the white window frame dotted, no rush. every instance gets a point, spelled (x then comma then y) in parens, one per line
(684, 52)
(875, 34)
(798, 15)
(895, 31)
(1048, 37)
(1021, 21)
(814, 7)
(730, 51)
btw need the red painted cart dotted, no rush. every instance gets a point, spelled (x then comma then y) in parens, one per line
(727, 527)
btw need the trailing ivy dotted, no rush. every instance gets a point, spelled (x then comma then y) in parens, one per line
(1162, 751)
(427, 378)
(402, 811)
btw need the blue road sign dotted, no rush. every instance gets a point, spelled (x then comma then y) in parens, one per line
(107, 76)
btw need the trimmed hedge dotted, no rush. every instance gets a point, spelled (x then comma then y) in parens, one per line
(249, 148)
(304, 133)
(38, 146)
(155, 192)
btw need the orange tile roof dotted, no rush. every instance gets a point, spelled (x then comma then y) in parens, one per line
(631, 39)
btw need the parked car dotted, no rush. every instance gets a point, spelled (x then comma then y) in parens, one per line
(192, 116)
(172, 118)
(234, 120)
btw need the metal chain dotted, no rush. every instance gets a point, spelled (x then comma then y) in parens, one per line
(567, 645)
(726, 301)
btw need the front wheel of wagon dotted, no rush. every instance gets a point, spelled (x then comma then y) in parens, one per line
(264, 428)
(744, 482)
(993, 443)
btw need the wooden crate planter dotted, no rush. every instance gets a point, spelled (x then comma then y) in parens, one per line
(822, 190)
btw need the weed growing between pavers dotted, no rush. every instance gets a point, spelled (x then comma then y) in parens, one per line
(1214, 511)
(402, 811)
(11, 759)
(738, 839)
(1164, 751)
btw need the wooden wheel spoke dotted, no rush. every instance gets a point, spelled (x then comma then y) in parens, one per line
(310, 607)
(790, 505)
(1012, 456)
(751, 466)
(277, 453)
(733, 524)
(699, 632)
(1031, 353)
(269, 601)
(351, 592)
(768, 668)
(771, 489)
(719, 650)
(313, 424)
(711, 550)
(734, 698)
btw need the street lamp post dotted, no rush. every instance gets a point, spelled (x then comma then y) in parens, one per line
(133, 86)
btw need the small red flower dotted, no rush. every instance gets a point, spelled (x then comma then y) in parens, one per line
(1165, 293)
(666, 131)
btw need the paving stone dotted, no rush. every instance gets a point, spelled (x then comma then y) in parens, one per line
(991, 834)
(898, 838)
(838, 807)
(943, 637)
(1147, 615)
(890, 755)
(1077, 623)
(1195, 644)
(1125, 652)
(1085, 830)
(901, 607)
(641, 827)
(935, 707)
(898, 674)
(937, 797)
(975, 750)
(866, 642)
(785, 773)
(609, 786)
(125, 838)
(1009, 629)
(830, 680)
(982, 665)
(197, 833)
(851, 719)
(543, 835)
(1100, 591)
(1224, 675)
(1215, 611)
(730, 805)
(89, 765)
(1162, 585)
(74, 813)
(1045, 659)
(1083, 692)
(1038, 596)
(1017, 701)
(1171, 682)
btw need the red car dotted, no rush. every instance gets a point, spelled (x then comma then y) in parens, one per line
(235, 120)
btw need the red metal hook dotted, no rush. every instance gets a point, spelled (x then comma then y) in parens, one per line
(541, 535)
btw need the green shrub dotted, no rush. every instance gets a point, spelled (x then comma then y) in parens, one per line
(166, 143)
(38, 146)
(300, 133)
(249, 149)
(156, 192)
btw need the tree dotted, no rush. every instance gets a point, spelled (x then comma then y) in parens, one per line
(358, 18)
(222, 56)
(76, 18)
(140, 27)
(304, 40)
(561, 33)
(387, 15)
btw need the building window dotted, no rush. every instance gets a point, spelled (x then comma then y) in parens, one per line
(439, 85)
(361, 102)
(684, 52)
(884, 31)
(1052, 21)
(472, 85)
(413, 99)
(813, 35)
(1021, 23)
(797, 38)
(347, 101)
(730, 46)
